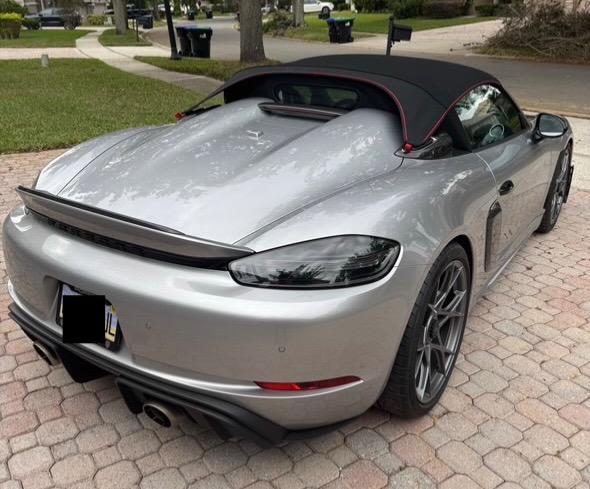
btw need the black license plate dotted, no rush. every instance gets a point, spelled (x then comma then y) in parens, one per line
(87, 318)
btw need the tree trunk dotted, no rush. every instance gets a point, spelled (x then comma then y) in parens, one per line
(251, 44)
(120, 11)
(298, 20)
(156, 11)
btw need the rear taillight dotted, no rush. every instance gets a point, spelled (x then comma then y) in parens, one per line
(308, 386)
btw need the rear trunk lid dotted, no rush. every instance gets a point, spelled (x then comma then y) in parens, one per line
(226, 173)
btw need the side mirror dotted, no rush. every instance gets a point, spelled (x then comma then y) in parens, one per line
(549, 126)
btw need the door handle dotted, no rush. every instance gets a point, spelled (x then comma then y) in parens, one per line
(506, 187)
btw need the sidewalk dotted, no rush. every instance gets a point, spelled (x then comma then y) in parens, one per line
(122, 59)
(455, 39)
(35, 53)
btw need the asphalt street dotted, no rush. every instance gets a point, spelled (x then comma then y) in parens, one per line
(562, 88)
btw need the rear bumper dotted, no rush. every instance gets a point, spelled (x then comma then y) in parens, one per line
(198, 330)
(225, 418)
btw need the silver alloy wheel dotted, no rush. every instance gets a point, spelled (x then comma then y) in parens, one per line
(560, 186)
(443, 327)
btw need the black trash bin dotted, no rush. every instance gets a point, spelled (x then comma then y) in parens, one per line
(185, 43)
(340, 29)
(200, 41)
(190, 15)
(146, 21)
(209, 14)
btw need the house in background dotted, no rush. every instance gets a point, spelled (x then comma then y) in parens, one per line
(86, 8)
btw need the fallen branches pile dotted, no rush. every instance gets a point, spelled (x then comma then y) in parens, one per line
(546, 29)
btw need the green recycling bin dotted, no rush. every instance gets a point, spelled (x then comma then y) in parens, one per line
(340, 29)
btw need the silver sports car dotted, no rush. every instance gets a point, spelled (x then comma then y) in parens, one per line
(276, 265)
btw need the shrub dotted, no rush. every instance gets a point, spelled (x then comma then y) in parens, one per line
(96, 19)
(486, 10)
(10, 6)
(371, 5)
(10, 25)
(340, 5)
(545, 28)
(442, 9)
(404, 9)
(467, 7)
(278, 22)
(32, 24)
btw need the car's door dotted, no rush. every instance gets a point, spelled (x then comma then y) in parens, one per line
(499, 134)
(59, 17)
(44, 16)
(50, 17)
(310, 6)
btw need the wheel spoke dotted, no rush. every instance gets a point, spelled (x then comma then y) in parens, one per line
(446, 285)
(424, 374)
(451, 310)
(456, 273)
(428, 371)
(419, 363)
(441, 346)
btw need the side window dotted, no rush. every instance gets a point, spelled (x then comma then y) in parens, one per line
(488, 116)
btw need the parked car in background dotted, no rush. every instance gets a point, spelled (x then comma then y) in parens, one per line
(312, 6)
(267, 9)
(57, 17)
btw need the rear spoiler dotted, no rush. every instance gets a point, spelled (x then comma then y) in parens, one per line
(129, 234)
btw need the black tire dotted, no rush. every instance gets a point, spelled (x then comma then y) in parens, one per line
(325, 11)
(558, 189)
(400, 396)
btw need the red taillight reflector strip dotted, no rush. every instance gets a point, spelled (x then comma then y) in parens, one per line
(307, 386)
(178, 116)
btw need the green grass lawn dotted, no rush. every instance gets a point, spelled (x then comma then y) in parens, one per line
(318, 33)
(317, 29)
(218, 69)
(44, 38)
(201, 16)
(77, 99)
(110, 38)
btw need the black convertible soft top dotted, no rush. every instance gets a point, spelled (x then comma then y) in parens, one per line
(422, 90)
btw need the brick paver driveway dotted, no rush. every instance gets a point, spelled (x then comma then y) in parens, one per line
(517, 410)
